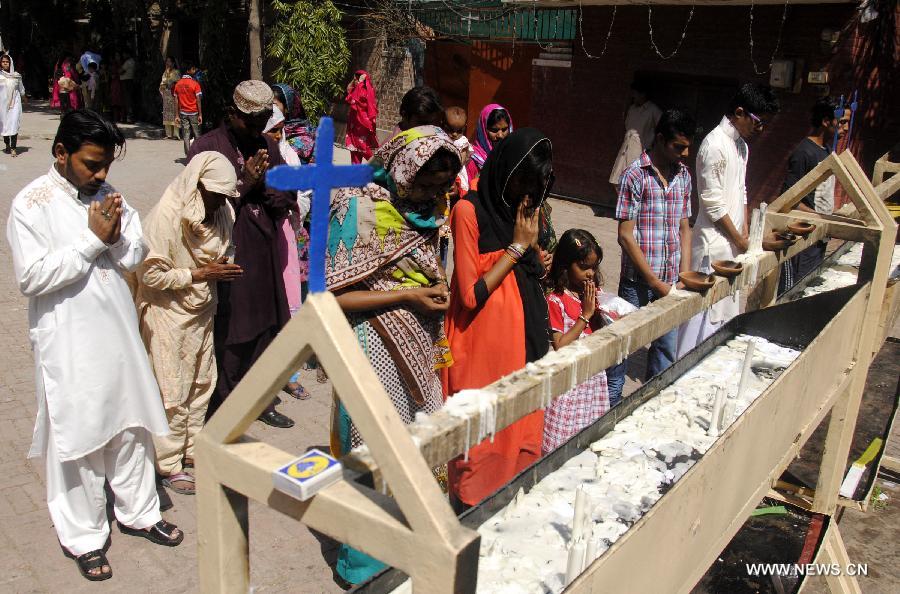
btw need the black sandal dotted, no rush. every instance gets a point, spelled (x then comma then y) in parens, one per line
(159, 533)
(93, 560)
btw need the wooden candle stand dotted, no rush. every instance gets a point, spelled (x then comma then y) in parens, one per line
(672, 544)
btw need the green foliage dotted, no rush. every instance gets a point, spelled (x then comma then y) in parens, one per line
(876, 502)
(309, 45)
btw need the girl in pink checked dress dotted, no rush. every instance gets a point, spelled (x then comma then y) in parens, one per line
(573, 313)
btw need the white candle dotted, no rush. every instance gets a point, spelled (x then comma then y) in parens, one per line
(746, 372)
(591, 552)
(581, 505)
(727, 413)
(575, 561)
(757, 226)
(716, 412)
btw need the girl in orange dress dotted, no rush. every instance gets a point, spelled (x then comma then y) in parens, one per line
(497, 321)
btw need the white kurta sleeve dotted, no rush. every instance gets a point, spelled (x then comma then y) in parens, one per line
(129, 251)
(711, 181)
(40, 269)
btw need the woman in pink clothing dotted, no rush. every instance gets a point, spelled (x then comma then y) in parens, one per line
(292, 234)
(494, 124)
(65, 85)
(361, 138)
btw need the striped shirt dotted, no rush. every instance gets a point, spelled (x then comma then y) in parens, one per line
(657, 213)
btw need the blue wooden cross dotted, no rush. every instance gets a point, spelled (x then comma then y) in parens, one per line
(320, 177)
(854, 105)
(838, 113)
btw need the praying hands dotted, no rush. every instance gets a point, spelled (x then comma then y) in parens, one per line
(105, 219)
(256, 167)
(217, 271)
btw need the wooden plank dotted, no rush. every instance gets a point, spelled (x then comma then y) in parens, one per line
(836, 227)
(882, 166)
(843, 416)
(222, 530)
(765, 292)
(888, 188)
(833, 551)
(889, 314)
(817, 418)
(890, 463)
(342, 509)
(880, 213)
(688, 528)
(806, 184)
(853, 189)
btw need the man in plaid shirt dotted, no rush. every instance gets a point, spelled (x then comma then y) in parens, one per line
(653, 210)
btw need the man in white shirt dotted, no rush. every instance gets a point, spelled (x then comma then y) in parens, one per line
(73, 238)
(641, 119)
(720, 232)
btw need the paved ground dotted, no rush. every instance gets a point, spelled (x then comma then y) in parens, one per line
(285, 556)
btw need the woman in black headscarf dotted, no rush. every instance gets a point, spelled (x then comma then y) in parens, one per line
(497, 321)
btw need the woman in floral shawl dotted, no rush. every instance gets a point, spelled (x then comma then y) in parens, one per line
(299, 133)
(382, 265)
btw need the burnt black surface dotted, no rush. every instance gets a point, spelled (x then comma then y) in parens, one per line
(762, 539)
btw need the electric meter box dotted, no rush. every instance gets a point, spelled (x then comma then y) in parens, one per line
(782, 74)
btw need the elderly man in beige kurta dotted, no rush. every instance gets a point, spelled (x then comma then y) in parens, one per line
(188, 235)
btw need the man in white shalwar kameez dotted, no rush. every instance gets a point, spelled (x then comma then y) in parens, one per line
(720, 232)
(73, 239)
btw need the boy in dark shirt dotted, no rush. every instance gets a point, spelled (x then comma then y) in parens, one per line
(826, 118)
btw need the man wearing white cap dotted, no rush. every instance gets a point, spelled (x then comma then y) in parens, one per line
(254, 308)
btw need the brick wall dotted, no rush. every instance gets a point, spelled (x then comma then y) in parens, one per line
(392, 73)
(581, 107)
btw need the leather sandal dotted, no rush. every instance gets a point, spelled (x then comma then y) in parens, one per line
(297, 391)
(93, 560)
(273, 418)
(172, 481)
(160, 533)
